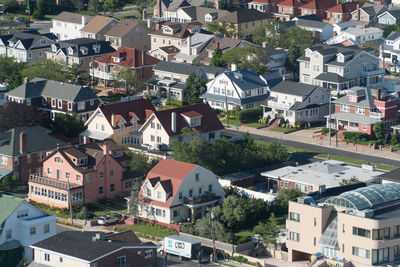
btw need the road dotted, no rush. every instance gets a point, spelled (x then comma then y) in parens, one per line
(174, 261)
(323, 149)
(41, 26)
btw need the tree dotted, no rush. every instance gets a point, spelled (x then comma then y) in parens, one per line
(351, 180)
(6, 183)
(294, 53)
(195, 87)
(284, 195)
(94, 6)
(127, 77)
(216, 59)
(269, 231)
(113, 5)
(141, 163)
(85, 214)
(8, 4)
(68, 125)
(380, 130)
(232, 212)
(134, 200)
(388, 29)
(231, 191)
(247, 58)
(10, 72)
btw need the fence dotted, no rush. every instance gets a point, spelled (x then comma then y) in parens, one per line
(78, 222)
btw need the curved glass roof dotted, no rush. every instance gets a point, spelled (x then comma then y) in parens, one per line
(366, 197)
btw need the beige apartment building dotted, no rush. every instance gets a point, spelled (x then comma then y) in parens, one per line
(352, 224)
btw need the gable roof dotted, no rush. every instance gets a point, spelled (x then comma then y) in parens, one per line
(123, 28)
(294, 88)
(311, 23)
(292, 3)
(319, 4)
(8, 204)
(81, 43)
(130, 57)
(209, 120)
(246, 79)
(393, 176)
(344, 7)
(71, 17)
(244, 15)
(183, 29)
(393, 36)
(181, 68)
(37, 139)
(80, 244)
(97, 24)
(394, 12)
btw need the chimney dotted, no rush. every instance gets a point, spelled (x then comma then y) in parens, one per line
(189, 44)
(144, 14)
(378, 94)
(143, 57)
(113, 122)
(85, 139)
(105, 147)
(264, 44)
(173, 122)
(84, 21)
(26, 80)
(358, 11)
(234, 67)
(22, 142)
(99, 236)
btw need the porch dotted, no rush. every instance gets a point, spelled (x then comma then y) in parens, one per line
(198, 205)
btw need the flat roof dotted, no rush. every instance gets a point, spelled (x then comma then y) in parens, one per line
(329, 173)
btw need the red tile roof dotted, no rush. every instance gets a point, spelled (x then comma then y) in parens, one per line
(268, 1)
(344, 7)
(293, 3)
(140, 107)
(191, 114)
(319, 4)
(209, 121)
(130, 57)
(170, 173)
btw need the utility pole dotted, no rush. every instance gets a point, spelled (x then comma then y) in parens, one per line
(70, 204)
(29, 13)
(227, 109)
(337, 132)
(330, 116)
(212, 216)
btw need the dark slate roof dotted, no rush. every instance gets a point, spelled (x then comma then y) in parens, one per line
(331, 77)
(273, 78)
(244, 15)
(393, 36)
(37, 139)
(27, 38)
(186, 69)
(395, 13)
(82, 245)
(393, 176)
(298, 106)
(59, 90)
(294, 88)
(78, 44)
(333, 50)
(246, 79)
(237, 101)
(311, 23)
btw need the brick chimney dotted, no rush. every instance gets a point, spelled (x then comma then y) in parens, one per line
(113, 121)
(173, 122)
(378, 94)
(22, 142)
(105, 147)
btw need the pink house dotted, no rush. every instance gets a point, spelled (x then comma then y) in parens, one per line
(90, 172)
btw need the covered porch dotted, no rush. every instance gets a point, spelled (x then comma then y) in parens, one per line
(351, 122)
(199, 205)
(334, 81)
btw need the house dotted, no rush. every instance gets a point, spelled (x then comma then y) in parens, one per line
(22, 150)
(93, 248)
(367, 14)
(341, 12)
(82, 174)
(389, 51)
(361, 108)
(200, 14)
(317, 7)
(129, 33)
(166, 53)
(357, 35)
(164, 127)
(318, 176)
(325, 29)
(338, 67)
(389, 17)
(67, 25)
(25, 46)
(56, 97)
(355, 223)
(164, 8)
(296, 102)
(339, 27)
(119, 121)
(169, 78)
(239, 88)
(97, 27)
(242, 22)
(81, 51)
(267, 6)
(176, 191)
(289, 9)
(22, 225)
(192, 47)
(107, 67)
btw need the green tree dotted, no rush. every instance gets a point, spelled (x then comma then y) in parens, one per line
(284, 196)
(351, 180)
(380, 130)
(388, 29)
(141, 163)
(127, 77)
(395, 139)
(134, 200)
(85, 214)
(10, 72)
(232, 212)
(247, 58)
(6, 183)
(68, 125)
(216, 58)
(94, 6)
(294, 53)
(269, 31)
(268, 231)
(195, 87)
(113, 5)
(8, 4)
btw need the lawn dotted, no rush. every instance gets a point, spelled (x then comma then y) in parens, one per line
(111, 98)
(150, 229)
(282, 130)
(236, 122)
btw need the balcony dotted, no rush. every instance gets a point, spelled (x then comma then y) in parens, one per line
(376, 115)
(202, 200)
(367, 73)
(101, 74)
(38, 178)
(279, 105)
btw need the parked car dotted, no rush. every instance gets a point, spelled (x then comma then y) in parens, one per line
(106, 220)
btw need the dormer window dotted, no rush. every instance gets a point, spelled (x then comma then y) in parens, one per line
(82, 161)
(353, 98)
(195, 121)
(116, 59)
(11, 43)
(70, 51)
(84, 51)
(54, 48)
(58, 160)
(96, 48)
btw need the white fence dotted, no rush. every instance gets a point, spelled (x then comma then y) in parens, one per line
(270, 198)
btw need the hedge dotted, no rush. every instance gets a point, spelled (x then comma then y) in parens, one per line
(356, 136)
(249, 115)
(325, 131)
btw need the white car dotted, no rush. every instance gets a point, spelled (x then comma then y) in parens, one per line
(106, 220)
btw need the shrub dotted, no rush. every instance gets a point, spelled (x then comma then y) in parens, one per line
(249, 115)
(355, 136)
(325, 131)
(395, 139)
(172, 102)
(281, 122)
(267, 119)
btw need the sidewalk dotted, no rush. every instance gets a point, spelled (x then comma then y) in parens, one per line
(305, 136)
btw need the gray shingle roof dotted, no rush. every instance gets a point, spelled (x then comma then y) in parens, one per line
(47, 88)
(352, 117)
(393, 36)
(246, 79)
(186, 69)
(37, 139)
(331, 77)
(78, 44)
(391, 176)
(294, 88)
(311, 23)
(244, 15)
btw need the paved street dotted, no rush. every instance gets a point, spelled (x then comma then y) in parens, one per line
(308, 143)
(174, 261)
(41, 26)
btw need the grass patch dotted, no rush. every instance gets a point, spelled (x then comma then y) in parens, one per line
(234, 122)
(255, 124)
(112, 98)
(282, 130)
(149, 229)
(243, 236)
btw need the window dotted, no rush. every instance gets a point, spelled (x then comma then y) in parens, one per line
(190, 192)
(53, 103)
(28, 158)
(59, 103)
(121, 261)
(8, 234)
(4, 160)
(176, 214)
(148, 192)
(46, 228)
(158, 195)
(315, 241)
(180, 195)
(380, 256)
(344, 108)
(112, 172)
(210, 188)
(112, 187)
(88, 177)
(46, 257)
(315, 221)
(152, 125)
(61, 259)
(101, 190)
(200, 191)
(101, 174)
(58, 174)
(343, 228)
(32, 231)
(294, 216)
(360, 252)
(67, 175)
(197, 177)
(381, 234)
(360, 110)
(361, 232)
(23, 213)
(396, 252)
(158, 126)
(294, 236)
(148, 253)
(396, 231)
(152, 138)
(69, 105)
(78, 178)
(158, 139)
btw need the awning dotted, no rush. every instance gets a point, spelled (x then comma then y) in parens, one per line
(95, 134)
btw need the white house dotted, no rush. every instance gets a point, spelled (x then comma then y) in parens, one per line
(67, 25)
(22, 224)
(389, 51)
(296, 102)
(356, 35)
(239, 88)
(164, 127)
(176, 191)
(389, 17)
(325, 29)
